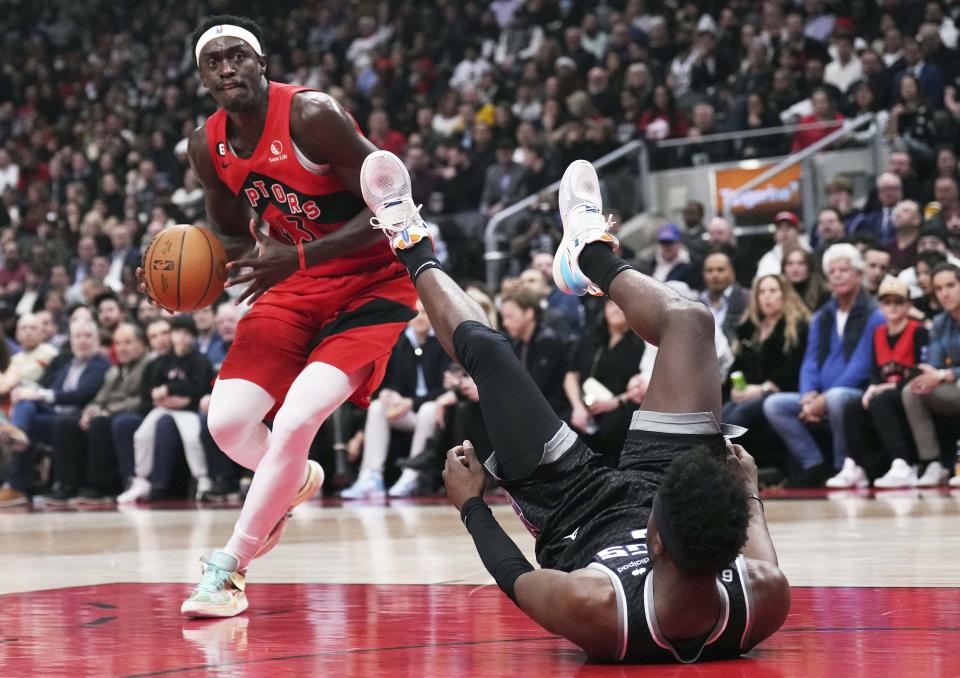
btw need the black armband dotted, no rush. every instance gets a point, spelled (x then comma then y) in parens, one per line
(502, 558)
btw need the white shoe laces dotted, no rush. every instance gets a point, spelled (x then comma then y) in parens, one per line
(391, 229)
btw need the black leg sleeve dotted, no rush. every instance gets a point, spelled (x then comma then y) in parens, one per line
(518, 418)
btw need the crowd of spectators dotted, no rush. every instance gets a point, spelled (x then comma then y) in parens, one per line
(486, 102)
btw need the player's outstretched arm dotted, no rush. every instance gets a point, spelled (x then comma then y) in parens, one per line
(327, 135)
(771, 590)
(579, 606)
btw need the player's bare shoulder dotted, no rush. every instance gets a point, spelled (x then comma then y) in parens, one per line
(198, 152)
(312, 107)
(326, 132)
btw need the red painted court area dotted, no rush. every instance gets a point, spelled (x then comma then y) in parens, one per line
(362, 630)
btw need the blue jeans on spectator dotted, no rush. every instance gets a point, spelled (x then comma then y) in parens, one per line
(37, 419)
(748, 414)
(782, 409)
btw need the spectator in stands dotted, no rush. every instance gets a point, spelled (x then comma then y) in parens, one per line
(36, 411)
(662, 120)
(503, 183)
(927, 75)
(29, 363)
(823, 111)
(829, 232)
(930, 239)
(845, 69)
(876, 261)
(601, 365)
(172, 385)
(934, 391)
(13, 274)
(768, 349)
(789, 233)
(208, 342)
(383, 136)
(84, 459)
(723, 295)
(124, 257)
(670, 261)
(945, 167)
(835, 369)
(405, 402)
(756, 115)
(541, 350)
(898, 346)
(565, 305)
(703, 123)
(109, 316)
(839, 192)
(226, 320)
(926, 302)
(907, 221)
(879, 222)
(911, 120)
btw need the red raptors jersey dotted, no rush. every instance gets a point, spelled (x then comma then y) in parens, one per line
(302, 201)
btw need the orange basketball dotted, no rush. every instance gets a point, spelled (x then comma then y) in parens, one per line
(184, 268)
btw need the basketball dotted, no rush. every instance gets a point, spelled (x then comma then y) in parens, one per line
(184, 268)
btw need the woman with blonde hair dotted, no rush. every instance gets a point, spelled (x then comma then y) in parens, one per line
(771, 340)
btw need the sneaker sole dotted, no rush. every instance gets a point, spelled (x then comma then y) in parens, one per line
(218, 612)
(366, 179)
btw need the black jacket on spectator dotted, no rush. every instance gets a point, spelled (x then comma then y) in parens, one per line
(768, 360)
(545, 358)
(401, 373)
(188, 375)
(612, 367)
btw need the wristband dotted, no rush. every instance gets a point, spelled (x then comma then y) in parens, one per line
(303, 257)
(759, 500)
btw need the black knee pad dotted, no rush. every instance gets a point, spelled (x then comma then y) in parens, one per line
(480, 349)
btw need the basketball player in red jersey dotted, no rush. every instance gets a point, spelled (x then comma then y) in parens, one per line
(330, 297)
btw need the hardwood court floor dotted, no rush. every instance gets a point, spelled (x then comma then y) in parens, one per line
(367, 589)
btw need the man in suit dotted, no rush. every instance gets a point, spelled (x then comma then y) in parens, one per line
(879, 222)
(36, 411)
(503, 184)
(723, 295)
(930, 77)
(83, 450)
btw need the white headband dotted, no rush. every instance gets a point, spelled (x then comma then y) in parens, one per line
(227, 31)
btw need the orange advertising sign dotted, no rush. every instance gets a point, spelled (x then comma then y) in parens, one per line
(780, 192)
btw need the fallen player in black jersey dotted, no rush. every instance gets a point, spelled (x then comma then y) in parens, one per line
(666, 558)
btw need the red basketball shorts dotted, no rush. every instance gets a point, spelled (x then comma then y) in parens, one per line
(348, 322)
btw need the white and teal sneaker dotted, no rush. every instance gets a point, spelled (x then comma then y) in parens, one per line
(581, 211)
(220, 591)
(387, 191)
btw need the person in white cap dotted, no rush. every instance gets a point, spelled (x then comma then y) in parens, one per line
(330, 299)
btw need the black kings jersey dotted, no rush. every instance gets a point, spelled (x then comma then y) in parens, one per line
(628, 566)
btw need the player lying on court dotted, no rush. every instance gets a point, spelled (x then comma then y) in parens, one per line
(666, 558)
